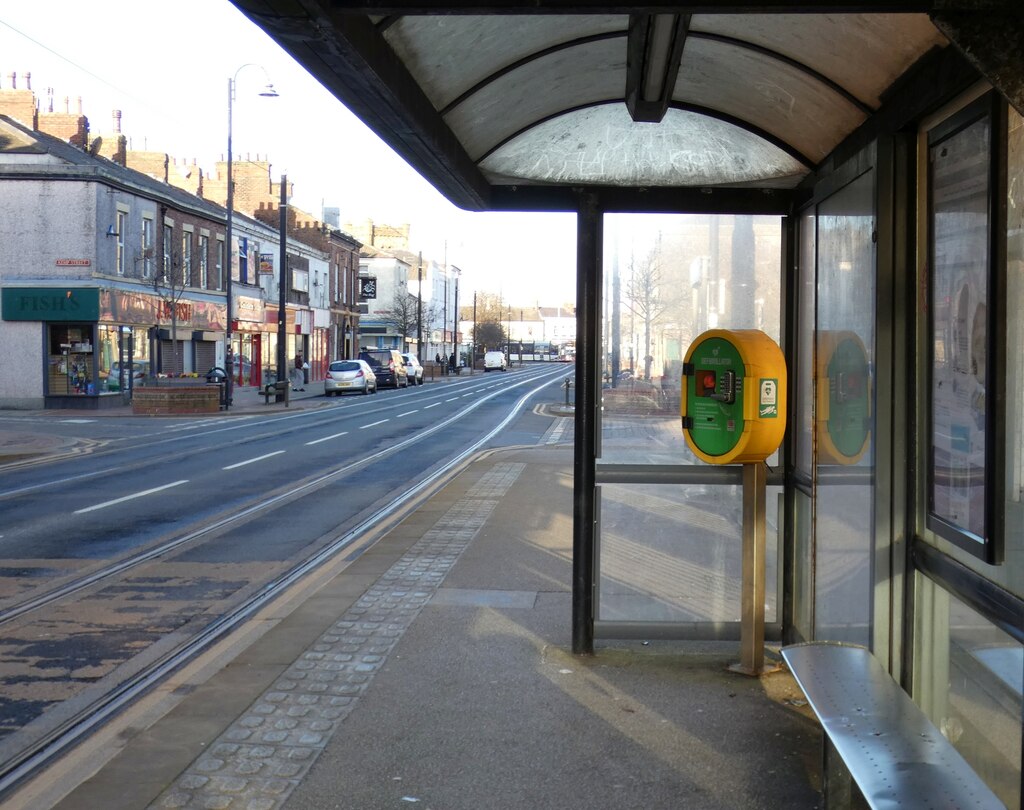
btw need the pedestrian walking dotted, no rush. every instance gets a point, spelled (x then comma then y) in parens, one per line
(298, 378)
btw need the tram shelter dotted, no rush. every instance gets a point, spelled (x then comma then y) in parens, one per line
(877, 148)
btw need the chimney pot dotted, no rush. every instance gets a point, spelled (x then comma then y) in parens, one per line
(67, 104)
(28, 81)
(117, 122)
(13, 79)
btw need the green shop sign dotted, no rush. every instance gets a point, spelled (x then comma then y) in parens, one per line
(51, 304)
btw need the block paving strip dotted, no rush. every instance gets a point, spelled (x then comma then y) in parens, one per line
(264, 754)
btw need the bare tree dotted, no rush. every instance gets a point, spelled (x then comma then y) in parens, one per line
(170, 284)
(403, 312)
(646, 297)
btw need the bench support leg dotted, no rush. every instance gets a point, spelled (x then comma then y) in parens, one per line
(836, 784)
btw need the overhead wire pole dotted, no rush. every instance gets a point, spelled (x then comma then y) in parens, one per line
(419, 308)
(282, 286)
(229, 253)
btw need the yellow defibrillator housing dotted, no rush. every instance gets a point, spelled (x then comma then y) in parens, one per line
(733, 403)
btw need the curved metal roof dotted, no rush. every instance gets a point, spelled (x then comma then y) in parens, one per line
(518, 95)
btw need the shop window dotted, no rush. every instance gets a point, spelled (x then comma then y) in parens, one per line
(70, 360)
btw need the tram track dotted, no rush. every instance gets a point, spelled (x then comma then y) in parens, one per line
(245, 512)
(51, 744)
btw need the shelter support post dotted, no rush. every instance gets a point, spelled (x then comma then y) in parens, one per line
(755, 480)
(588, 320)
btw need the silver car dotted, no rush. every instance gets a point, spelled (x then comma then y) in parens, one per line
(414, 368)
(350, 376)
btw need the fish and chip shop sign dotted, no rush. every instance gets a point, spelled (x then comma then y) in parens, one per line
(51, 304)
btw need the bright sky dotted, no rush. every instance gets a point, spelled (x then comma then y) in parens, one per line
(166, 66)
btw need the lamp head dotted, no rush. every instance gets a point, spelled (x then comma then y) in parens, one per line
(269, 91)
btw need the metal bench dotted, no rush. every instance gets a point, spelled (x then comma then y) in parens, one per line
(877, 737)
(279, 390)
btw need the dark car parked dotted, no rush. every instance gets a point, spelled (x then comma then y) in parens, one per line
(388, 367)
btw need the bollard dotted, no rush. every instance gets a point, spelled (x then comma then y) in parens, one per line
(567, 385)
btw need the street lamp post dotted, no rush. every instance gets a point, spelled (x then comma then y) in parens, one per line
(229, 361)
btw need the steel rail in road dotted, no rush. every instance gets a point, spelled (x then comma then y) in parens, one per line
(244, 512)
(41, 752)
(110, 447)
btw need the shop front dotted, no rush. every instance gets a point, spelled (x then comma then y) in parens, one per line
(250, 342)
(98, 343)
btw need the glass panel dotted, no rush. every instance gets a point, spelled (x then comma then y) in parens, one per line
(859, 50)
(672, 553)
(483, 45)
(778, 98)
(1012, 570)
(959, 227)
(803, 566)
(604, 145)
(844, 518)
(968, 678)
(667, 280)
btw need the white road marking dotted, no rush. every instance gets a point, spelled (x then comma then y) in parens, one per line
(407, 413)
(76, 421)
(431, 406)
(328, 438)
(252, 460)
(374, 424)
(128, 497)
(452, 399)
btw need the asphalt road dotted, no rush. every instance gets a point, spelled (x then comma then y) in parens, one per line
(166, 524)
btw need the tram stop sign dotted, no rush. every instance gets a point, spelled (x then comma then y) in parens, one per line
(733, 403)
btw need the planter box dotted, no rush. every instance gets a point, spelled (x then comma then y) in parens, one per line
(172, 400)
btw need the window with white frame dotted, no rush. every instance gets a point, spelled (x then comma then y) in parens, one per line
(122, 227)
(186, 259)
(167, 269)
(147, 247)
(204, 261)
(218, 269)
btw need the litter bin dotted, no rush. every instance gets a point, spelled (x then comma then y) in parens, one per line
(219, 377)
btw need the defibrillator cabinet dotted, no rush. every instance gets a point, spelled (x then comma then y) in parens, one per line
(733, 403)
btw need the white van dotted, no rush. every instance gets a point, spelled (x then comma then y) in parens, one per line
(495, 361)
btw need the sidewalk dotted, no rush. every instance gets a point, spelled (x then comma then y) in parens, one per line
(435, 671)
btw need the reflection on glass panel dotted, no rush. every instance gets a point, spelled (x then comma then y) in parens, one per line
(671, 553)
(968, 679)
(959, 222)
(667, 280)
(843, 411)
(1013, 551)
(805, 346)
